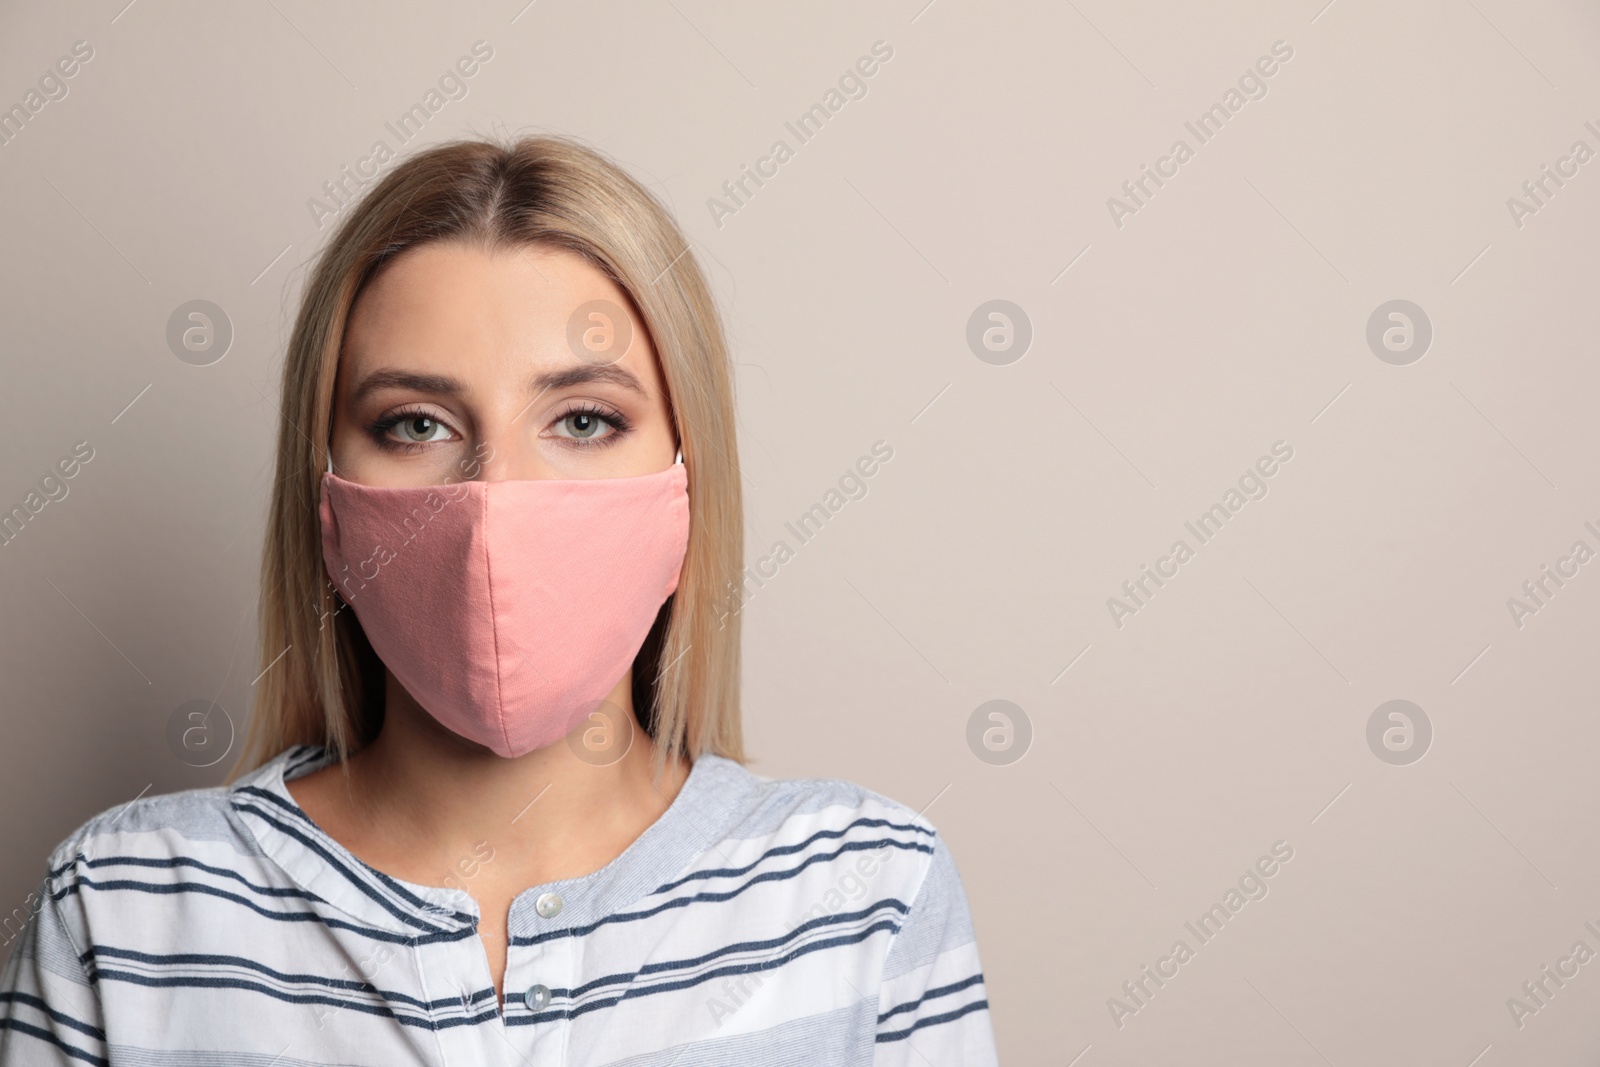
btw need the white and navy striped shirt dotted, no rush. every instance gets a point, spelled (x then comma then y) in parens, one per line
(757, 921)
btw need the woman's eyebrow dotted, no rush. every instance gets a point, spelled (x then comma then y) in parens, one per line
(588, 372)
(448, 386)
(399, 379)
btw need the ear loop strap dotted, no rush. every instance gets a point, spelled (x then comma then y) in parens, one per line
(680, 456)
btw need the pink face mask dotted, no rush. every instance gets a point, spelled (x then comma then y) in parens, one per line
(508, 609)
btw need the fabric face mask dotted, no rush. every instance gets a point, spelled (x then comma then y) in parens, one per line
(508, 609)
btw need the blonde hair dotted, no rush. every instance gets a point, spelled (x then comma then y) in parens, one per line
(323, 684)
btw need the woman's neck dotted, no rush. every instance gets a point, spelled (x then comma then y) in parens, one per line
(427, 806)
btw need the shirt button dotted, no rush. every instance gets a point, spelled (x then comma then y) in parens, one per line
(537, 997)
(548, 906)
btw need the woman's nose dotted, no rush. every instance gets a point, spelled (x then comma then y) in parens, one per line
(509, 451)
(499, 457)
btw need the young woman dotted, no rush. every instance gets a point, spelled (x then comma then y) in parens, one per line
(493, 807)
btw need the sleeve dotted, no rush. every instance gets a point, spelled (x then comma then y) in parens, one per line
(932, 1005)
(49, 1006)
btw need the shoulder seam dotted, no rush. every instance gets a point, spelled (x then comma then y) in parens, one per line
(862, 794)
(61, 920)
(104, 822)
(936, 843)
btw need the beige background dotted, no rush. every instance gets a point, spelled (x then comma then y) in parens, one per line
(1227, 314)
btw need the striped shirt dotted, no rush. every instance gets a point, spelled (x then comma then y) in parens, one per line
(757, 921)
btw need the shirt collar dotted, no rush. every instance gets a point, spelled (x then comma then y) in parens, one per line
(694, 822)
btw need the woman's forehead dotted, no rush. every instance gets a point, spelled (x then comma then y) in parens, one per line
(443, 304)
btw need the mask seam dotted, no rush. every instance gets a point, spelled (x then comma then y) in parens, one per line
(494, 625)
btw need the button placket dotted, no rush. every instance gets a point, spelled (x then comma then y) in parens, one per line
(458, 968)
(455, 900)
(535, 971)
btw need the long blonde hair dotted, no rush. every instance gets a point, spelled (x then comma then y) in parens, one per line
(321, 682)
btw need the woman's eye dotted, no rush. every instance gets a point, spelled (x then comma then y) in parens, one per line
(418, 429)
(584, 425)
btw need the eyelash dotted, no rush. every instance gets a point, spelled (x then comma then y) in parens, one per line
(615, 419)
